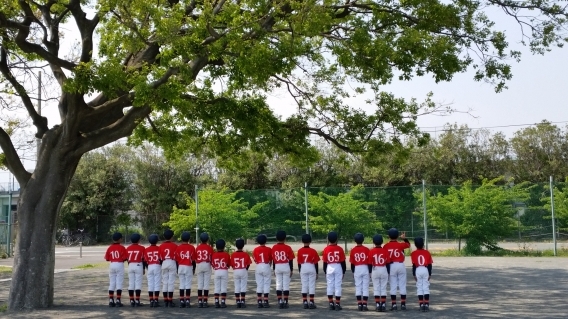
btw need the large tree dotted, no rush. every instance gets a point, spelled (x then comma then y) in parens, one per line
(195, 74)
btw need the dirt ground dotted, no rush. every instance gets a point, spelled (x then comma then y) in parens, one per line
(461, 287)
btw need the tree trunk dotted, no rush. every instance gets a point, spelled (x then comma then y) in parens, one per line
(38, 208)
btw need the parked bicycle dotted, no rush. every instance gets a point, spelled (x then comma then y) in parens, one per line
(65, 238)
(82, 237)
(68, 239)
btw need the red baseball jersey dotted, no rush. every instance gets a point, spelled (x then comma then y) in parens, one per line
(203, 253)
(262, 255)
(421, 257)
(308, 255)
(359, 256)
(220, 260)
(185, 254)
(333, 254)
(116, 253)
(379, 256)
(282, 253)
(135, 253)
(152, 255)
(240, 260)
(168, 250)
(396, 250)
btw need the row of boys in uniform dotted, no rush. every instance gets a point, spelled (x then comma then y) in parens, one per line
(382, 264)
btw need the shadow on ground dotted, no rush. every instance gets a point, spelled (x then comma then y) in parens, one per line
(512, 288)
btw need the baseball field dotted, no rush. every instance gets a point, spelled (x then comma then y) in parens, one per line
(461, 287)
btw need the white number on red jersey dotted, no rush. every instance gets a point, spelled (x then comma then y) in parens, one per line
(115, 254)
(261, 257)
(305, 257)
(220, 263)
(394, 252)
(333, 258)
(130, 255)
(152, 256)
(359, 257)
(379, 259)
(167, 251)
(184, 255)
(421, 261)
(239, 263)
(280, 256)
(202, 255)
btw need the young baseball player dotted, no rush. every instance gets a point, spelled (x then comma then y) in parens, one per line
(221, 261)
(262, 257)
(422, 270)
(135, 269)
(380, 260)
(334, 267)
(360, 267)
(308, 259)
(240, 261)
(397, 277)
(169, 268)
(154, 274)
(203, 254)
(283, 257)
(185, 258)
(116, 255)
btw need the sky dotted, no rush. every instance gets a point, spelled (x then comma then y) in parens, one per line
(535, 93)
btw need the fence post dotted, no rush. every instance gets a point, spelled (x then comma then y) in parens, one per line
(306, 203)
(9, 239)
(552, 210)
(424, 207)
(196, 210)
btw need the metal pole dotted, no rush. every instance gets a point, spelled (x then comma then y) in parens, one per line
(9, 241)
(38, 140)
(80, 249)
(196, 210)
(552, 210)
(424, 207)
(306, 203)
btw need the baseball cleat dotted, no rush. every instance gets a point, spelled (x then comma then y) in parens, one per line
(181, 304)
(217, 305)
(281, 305)
(118, 303)
(403, 307)
(285, 305)
(306, 305)
(132, 303)
(260, 305)
(394, 307)
(331, 306)
(426, 307)
(200, 305)
(138, 303)
(384, 306)
(312, 305)
(378, 308)
(365, 308)
(205, 304)
(223, 305)
(111, 303)
(266, 304)
(238, 304)
(243, 305)
(360, 307)
(338, 307)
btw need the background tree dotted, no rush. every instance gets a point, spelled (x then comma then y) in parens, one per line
(347, 214)
(220, 214)
(156, 69)
(101, 189)
(480, 214)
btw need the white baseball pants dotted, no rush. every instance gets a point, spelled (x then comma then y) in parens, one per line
(203, 272)
(282, 272)
(397, 278)
(221, 281)
(116, 276)
(154, 277)
(380, 280)
(135, 276)
(308, 278)
(262, 275)
(240, 277)
(168, 275)
(185, 274)
(422, 282)
(334, 277)
(361, 276)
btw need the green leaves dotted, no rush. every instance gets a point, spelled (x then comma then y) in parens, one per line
(347, 213)
(479, 214)
(220, 214)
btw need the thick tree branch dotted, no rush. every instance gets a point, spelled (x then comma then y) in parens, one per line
(13, 161)
(86, 28)
(121, 128)
(39, 121)
(329, 138)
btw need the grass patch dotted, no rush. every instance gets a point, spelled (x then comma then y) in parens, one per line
(3, 308)
(5, 270)
(91, 266)
(523, 252)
